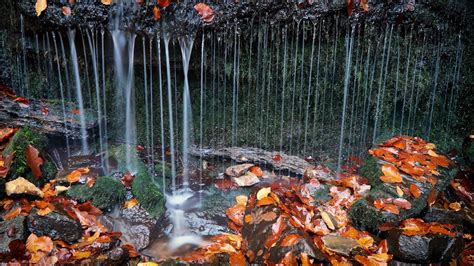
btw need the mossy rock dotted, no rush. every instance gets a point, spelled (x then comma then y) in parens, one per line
(218, 201)
(19, 167)
(148, 193)
(366, 217)
(106, 193)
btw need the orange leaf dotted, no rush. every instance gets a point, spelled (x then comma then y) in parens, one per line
(391, 208)
(5, 163)
(455, 206)
(290, 240)
(156, 13)
(237, 259)
(130, 203)
(236, 214)
(12, 214)
(277, 158)
(74, 176)
(34, 161)
(206, 13)
(40, 6)
(76, 111)
(265, 201)
(415, 191)
(6, 133)
(391, 174)
(257, 171)
(163, 3)
(79, 255)
(38, 247)
(132, 252)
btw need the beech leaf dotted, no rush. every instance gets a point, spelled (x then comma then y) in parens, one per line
(34, 161)
(40, 6)
(206, 13)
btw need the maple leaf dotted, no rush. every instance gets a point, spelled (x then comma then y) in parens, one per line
(206, 13)
(34, 161)
(156, 13)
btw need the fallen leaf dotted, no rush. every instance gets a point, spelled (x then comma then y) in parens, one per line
(455, 206)
(6, 133)
(365, 242)
(130, 203)
(263, 192)
(290, 240)
(38, 247)
(76, 111)
(148, 263)
(237, 259)
(349, 7)
(40, 6)
(364, 5)
(127, 179)
(391, 174)
(12, 214)
(22, 186)
(106, 2)
(391, 208)
(66, 12)
(206, 13)
(5, 163)
(256, 170)
(34, 161)
(399, 191)
(432, 197)
(415, 191)
(327, 219)
(79, 255)
(265, 201)
(156, 13)
(277, 158)
(163, 3)
(241, 200)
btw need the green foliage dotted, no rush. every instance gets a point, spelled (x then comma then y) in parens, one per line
(106, 192)
(49, 170)
(18, 145)
(371, 171)
(148, 193)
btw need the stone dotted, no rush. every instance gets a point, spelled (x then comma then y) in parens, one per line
(55, 225)
(246, 180)
(319, 172)
(12, 230)
(429, 248)
(238, 170)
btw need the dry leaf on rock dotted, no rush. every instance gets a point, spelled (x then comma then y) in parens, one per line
(22, 186)
(40, 6)
(34, 161)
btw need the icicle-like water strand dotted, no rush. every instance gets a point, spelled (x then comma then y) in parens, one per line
(162, 129)
(130, 125)
(79, 99)
(349, 44)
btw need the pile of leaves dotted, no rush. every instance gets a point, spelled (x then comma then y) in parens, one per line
(277, 222)
(96, 240)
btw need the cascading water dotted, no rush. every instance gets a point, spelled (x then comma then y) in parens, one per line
(79, 98)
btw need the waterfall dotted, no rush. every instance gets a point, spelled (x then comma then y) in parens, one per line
(79, 99)
(130, 125)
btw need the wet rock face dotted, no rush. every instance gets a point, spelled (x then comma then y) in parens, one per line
(429, 248)
(11, 230)
(55, 225)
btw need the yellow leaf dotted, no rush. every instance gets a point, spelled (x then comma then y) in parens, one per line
(432, 153)
(130, 203)
(81, 255)
(365, 241)
(106, 2)
(241, 200)
(327, 220)
(60, 189)
(41, 5)
(147, 263)
(399, 191)
(262, 193)
(430, 146)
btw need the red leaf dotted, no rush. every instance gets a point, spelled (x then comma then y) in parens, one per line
(225, 184)
(206, 13)
(432, 197)
(365, 5)
(127, 179)
(276, 158)
(156, 13)
(34, 161)
(76, 111)
(22, 100)
(66, 11)
(415, 191)
(44, 110)
(163, 3)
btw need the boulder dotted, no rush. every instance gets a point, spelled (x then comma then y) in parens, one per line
(10, 230)
(428, 248)
(246, 180)
(238, 170)
(22, 186)
(55, 225)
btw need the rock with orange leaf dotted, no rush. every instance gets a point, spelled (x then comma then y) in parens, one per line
(54, 225)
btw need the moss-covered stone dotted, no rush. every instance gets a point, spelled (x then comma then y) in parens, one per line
(144, 187)
(49, 170)
(106, 192)
(17, 145)
(148, 193)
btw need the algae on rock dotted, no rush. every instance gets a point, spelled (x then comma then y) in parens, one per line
(105, 194)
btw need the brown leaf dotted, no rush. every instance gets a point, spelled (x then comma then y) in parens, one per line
(290, 240)
(40, 6)
(12, 214)
(130, 203)
(269, 216)
(391, 208)
(6, 133)
(415, 191)
(206, 13)
(127, 179)
(38, 247)
(106, 2)
(256, 170)
(364, 5)
(349, 7)
(156, 13)
(432, 197)
(34, 161)
(5, 163)
(455, 206)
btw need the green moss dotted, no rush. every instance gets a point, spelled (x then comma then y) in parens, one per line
(18, 145)
(159, 167)
(322, 193)
(49, 170)
(371, 171)
(148, 193)
(106, 192)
